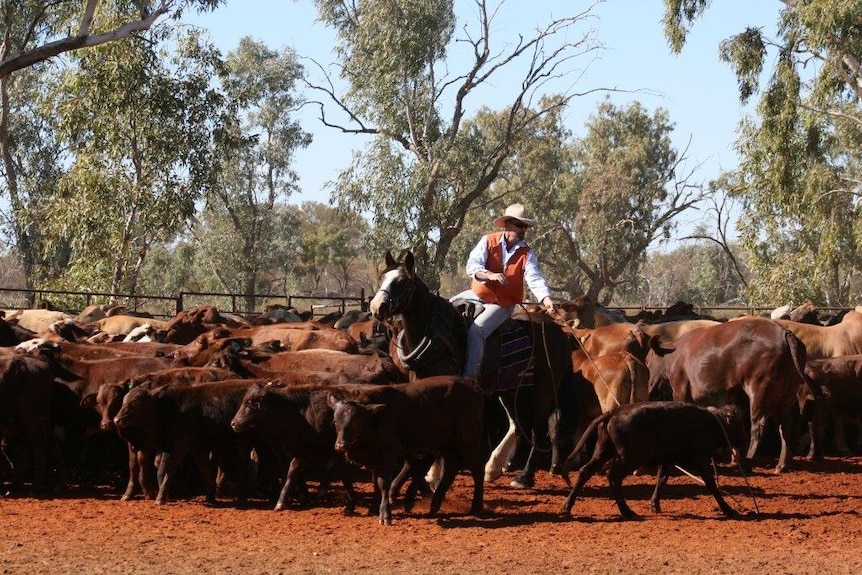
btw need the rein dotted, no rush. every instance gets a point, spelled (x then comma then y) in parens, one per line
(436, 340)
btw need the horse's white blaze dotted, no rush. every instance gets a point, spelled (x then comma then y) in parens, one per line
(382, 295)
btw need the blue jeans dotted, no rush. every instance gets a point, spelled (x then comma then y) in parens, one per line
(484, 325)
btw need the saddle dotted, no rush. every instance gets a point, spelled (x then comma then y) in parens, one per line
(508, 359)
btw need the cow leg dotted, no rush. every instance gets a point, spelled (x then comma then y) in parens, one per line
(812, 414)
(352, 499)
(840, 434)
(501, 453)
(294, 469)
(661, 478)
(208, 474)
(133, 474)
(616, 473)
(148, 472)
(584, 473)
(384, 483)
(450, 469)
(169, 466)
(706, 473)
(785, 425)
(758, 424)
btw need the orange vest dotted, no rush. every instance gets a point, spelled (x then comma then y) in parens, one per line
(494, 292)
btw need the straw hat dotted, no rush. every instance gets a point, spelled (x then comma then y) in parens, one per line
(515, 212)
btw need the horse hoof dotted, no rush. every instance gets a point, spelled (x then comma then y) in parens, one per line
(521, 483)
(493, 475)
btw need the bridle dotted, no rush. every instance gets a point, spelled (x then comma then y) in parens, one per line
(397, 304)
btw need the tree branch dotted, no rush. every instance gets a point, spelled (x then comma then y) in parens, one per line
(24, 59)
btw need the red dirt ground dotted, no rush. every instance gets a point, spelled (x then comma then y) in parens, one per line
(808, 521)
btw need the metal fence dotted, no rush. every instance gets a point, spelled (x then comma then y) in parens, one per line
(168, 306)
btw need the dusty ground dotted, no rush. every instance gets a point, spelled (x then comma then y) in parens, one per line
(808, 521)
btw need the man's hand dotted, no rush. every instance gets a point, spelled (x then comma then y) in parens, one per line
(550, 307)
(494, 277)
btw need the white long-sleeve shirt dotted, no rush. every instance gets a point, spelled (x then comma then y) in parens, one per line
(532, 275)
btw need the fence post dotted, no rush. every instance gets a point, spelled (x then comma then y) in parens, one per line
(363, 304)
(180, 303)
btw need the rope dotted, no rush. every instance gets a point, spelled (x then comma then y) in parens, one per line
(738, 465)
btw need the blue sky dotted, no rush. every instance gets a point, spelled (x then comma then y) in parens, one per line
(698, 90)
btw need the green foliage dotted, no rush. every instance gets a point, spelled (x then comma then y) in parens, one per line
(135, 124)
(430, 164)
(612, 194)
(388, 49)
(244, 231)
(800, 170)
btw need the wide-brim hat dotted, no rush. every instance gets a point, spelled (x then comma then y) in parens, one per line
(515, 212)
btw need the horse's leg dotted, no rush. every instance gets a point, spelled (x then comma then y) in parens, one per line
(494, 465)
(540, 410)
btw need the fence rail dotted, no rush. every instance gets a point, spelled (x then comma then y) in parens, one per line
(319, 305)
(168, 306)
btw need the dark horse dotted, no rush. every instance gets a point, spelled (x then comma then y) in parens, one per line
(433, 342)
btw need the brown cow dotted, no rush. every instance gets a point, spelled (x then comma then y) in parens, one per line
(842, 376)
(843, 338)
(187, 325)
(297, 423)
(345, 367)
(612, 338)
(25, 417)
(109, 399)
(670, 331)
(188, 420)
(281, 336)
(618, 378)
(583, 312)
(753, 358)
(442, 415)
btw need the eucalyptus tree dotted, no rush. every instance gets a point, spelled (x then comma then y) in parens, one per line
(606, 196)
(137, 124)
(411, 85)
(332, 257)
(34, 160)
(801, 165)
(35, 32)
(246, 232)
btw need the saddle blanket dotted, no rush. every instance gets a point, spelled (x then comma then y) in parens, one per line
(508, 359)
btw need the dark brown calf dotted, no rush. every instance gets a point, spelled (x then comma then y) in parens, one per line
(379, 427)
(297, 423)
(191, 420)
(663, 433)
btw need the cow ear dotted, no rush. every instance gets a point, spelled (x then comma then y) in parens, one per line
(88, 401)
(374, 408)
(332, 399)
(390, 261)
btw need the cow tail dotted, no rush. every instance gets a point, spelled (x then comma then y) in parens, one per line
(590, 431)
(798, 353)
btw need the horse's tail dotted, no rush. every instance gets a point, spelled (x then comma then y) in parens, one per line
(589, 432)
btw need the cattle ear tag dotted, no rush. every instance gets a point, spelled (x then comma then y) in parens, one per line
(127, 384)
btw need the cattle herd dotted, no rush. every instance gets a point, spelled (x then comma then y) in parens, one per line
(223, 406)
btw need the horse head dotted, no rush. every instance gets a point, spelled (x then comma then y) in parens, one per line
(397, 285)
